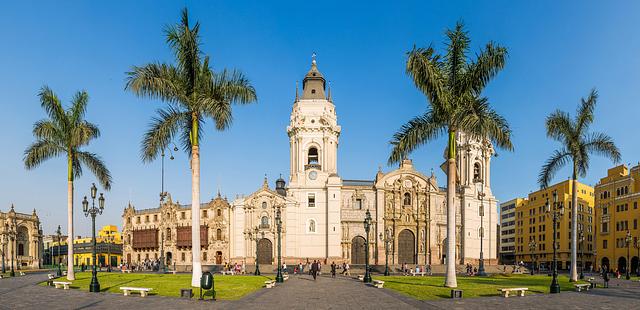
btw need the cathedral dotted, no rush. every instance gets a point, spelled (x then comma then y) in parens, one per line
(323, 214)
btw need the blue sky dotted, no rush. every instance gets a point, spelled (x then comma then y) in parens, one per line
(558, 51)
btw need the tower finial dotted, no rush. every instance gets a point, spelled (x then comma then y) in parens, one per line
(297, 97)
(265, 184)
(313, 58)
(329, 93)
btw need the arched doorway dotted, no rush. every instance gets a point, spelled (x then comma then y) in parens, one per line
(406, 247)
(622, 264)
(604, 262)
(265, 251)
(634, 265)
(357, 251)
(169, 258)
(219, 257)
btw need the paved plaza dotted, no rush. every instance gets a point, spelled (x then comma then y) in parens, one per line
(302, 292)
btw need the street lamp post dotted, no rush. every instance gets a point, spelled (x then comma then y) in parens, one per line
(532, 247)
(556, 212)
(279, 277)
(581, 240)
(388, 239)
(628, 239)
(253, 235)
(12, 239)
(59, 233)
(4, 241)
(637, 246)
(367, 227)
(93, 211)
(481, 195)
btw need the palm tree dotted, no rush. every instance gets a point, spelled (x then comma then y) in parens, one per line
(577, 145)
(193, 93)
(453, 84)
(65, 132)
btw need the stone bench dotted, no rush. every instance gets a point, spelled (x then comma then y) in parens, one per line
(125, 270)
(269, 283)
(505, 291)
(1, 276)
(378, 283)
(360, 277)
(143, 290)
(51, 276)
(591, 279)
(580, 287)
(413, 273)
(59, 284)
(285, 277)
(225, 272)
(22, 273)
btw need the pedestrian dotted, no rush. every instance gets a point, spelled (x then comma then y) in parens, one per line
(314, 269)
(346, 269)
(333, 269)
(284, 268)
(605, 277)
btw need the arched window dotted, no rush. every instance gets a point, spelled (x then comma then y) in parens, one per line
(476, 172)
(407, 199)
(219, 234)
(313, 156)
(264, 221)
(219, 212)
(204, 256)
(312, 226)
(264, 204)
(168, 234)
(20, 249)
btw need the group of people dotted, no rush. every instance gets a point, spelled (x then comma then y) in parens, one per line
(234, 268)
(145, 265)
(471, 271)
(406, 270)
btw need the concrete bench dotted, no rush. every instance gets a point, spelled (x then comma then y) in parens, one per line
(224, 272)
(520, 291)
(285, 277)
(143, 290)
(59, 284)
(269, 283)
(413, 273)
(580, 287)
(51, 276)
(174, 272)
(378, 283)
(22, 273)
(125, 270)
(360, 277)
(1, 276)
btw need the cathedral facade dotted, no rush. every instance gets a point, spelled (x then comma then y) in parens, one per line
(20, 239)
(323, 214)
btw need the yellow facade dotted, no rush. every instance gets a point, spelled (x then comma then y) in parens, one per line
(109, 248)
(617, 199)
(534, 227)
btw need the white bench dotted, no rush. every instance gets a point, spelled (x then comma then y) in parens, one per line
(125, 270)
(360, 277)
(143, 290)
(225, 272)
(270, 283)
(51, 276)
(378, 283)
(591, 279)
(1, 276)
(580, 287)
(285, 277)
(520, 291)
(413, 273)
(22, 273)
(174, 272)
(59, 284)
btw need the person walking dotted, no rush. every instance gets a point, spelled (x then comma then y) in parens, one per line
(333, 269)
(314, 269)
(346, 269)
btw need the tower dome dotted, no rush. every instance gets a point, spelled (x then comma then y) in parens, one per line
(314, 83)
(280, 186)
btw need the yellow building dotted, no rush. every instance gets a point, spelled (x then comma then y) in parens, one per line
(617, 214)
(109, 248)
(534, 227)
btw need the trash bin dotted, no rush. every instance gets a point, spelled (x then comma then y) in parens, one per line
(456, 293)
(186, 293)
(206, 281)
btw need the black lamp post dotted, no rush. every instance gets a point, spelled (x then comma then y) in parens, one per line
(481, 194)
(59, 233)
(12, 239)
(4, 248)
(388, 239)
(367, 227)
(628, 239)
(93, 211)
(556, 212)
(636, 244)
(581, 240)
(532, 247)
(279, 277)
(253, 236)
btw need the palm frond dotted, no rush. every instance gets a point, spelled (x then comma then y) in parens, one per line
(584, 116)
(40, 151)
(51, 104)
(162, 129)
(47, 130)
(225, 88)
(79, 106)
(83, 133)
(97, 167)
(603, 145)
(456, 57)
(560, 127)
(558, 159)
(415, 133)
(488, 63)
(156, 80)
(185, 43)
(424, 67)
(482, 122)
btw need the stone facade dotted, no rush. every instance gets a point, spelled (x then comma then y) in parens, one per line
(20, 237)
(148, 233)
(323, 214)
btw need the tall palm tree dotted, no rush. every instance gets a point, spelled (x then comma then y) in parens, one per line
(65, 132)
(577, 145)
(453, 84)
(193, 93)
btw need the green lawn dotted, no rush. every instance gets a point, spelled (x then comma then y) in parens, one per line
(425, 288)
(227, 287)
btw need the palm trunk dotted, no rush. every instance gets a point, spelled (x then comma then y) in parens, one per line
(70, 275)
(574, 227)
(195, 206)
(450, 278)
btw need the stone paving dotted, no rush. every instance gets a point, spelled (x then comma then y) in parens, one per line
(302, 292)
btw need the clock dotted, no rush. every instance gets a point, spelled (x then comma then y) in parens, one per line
(407, 183)
(313, 175)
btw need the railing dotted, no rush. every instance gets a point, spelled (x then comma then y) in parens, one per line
(264, 226)
(312, 166)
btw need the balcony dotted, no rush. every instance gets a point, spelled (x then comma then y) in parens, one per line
(264, 226)
(313, 166)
